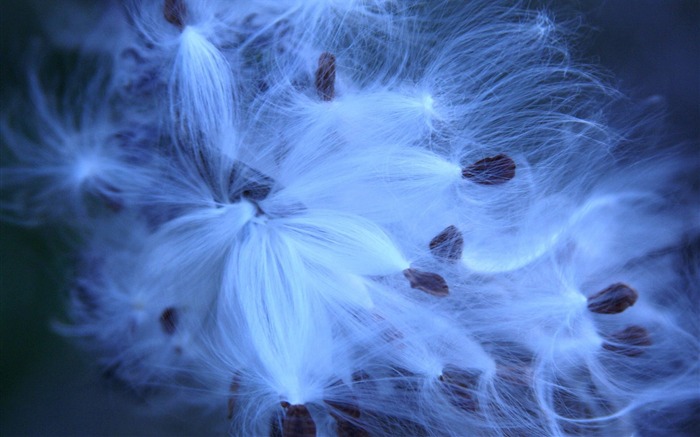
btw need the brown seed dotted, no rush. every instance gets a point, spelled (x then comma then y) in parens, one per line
(448, 244)
(275, 429)
(346, 413)
(460, 383)
(360, 376)
(174, 12)
(491, 171)
(298, 422)
(168, 320)
(325, 77)
(431, 283)
(345, 428)
(351, 410)
(111, 199)
(631, 341)
(612, 300)
(235, 385)
(405, 380)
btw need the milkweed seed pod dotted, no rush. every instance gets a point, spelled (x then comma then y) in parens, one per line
(356, 218)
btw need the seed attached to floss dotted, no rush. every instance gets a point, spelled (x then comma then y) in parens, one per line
(613, 299)
(344, 427)
(325, 77)
(631, 341)
(458, 383)
(347, 409)
(174, 13)
(349, 429)
(275, 430)
(431, 283)
(168, 320)
(495, 170)
(448, 244)
(297, 421)
(360, 376)
(233, 388)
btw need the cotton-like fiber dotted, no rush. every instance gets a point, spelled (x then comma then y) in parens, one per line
(358, 218)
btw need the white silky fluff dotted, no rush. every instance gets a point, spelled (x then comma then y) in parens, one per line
(247, 244)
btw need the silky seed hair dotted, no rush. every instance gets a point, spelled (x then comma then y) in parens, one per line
(357, 218)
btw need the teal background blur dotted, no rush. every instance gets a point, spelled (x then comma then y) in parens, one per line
(49, 388)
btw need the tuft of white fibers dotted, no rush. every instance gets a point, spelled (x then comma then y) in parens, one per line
(201, 89)
(355, 218)
(74, 148)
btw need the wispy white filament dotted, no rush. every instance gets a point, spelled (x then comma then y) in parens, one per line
(202, 98)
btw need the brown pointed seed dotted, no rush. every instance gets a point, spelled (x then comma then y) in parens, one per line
(348, 409)
(460, 383)
(235, 385)
(405, 380)
(431, 283)
(491, 171)
(275, 430)
(613, 299)
(631, 341)
(168, 320)
(298, 422)
(325, 76)
(174, 12)
(363, 380)
(345, 427)
(448, 244)
(360, 376)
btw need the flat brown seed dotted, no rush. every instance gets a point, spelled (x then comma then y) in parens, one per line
(275, 430)
(360, 376)
(495, 170)
(235, 385)
(448, 244)
(431, 283)
(613, 299)
(325, 77)
(298, 422)
(631, 341)
(459, 377)
(174, 12)
(460, 383)
(347, 409)
(345, 428)
(168, 320)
